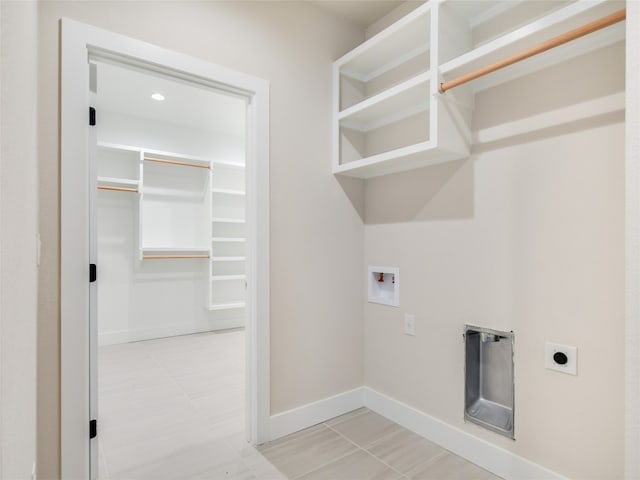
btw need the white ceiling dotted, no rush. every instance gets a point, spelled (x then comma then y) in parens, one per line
(128, 92)
(359, 12)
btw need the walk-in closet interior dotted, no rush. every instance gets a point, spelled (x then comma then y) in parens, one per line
(170, 214)
(170, 209)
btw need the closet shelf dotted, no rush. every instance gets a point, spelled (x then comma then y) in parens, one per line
(405, 158)
(402, 41)
(228, 259)
(228, 239)
(223, 163)
(174, 250)
(174, 192)
(398, 102)
(226, 306)
(227, 191)
(118, 182)
(222, 278)
(227, 220)
(540, 30)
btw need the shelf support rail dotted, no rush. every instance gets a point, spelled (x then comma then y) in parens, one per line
(176, 162)
(566, 37)
(117, 189)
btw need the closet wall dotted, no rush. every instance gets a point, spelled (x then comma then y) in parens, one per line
(139, 299)
(527, 234)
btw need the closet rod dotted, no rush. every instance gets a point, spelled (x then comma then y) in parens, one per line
(542, 47)
(165, 257)
(117, 189)
(176, 162)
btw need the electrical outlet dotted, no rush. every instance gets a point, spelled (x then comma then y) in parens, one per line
(409, 324)
(562, 358)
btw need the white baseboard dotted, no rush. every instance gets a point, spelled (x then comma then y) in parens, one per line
(484, 454)
(124, 336)
(311, 414)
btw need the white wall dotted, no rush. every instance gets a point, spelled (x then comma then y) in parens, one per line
(316, 231)
(525, 235)
(139, 300)
(632, 190)
(18, 227)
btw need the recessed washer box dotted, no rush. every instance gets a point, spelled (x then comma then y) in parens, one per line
(384, 285)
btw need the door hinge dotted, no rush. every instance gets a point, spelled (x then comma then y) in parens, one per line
(92, 116)
(93, 429)
(93, 272)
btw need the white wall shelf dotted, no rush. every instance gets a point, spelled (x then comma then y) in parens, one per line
(388, 113)
(400, 42)
(396, 103)
(118, 182)
(226, 306)
(229, 239)
(175, 250)
(228, 191)
(224, 278)
(227, 220)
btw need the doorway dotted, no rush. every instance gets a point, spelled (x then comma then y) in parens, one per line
(170, 224)
(79, 242)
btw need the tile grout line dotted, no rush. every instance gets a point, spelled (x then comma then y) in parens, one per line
(365, 450)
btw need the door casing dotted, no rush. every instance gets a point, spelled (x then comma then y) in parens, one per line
(79, 42)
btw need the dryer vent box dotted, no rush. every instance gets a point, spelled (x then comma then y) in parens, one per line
(488, 394)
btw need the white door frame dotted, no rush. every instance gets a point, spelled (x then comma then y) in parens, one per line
(78, 42)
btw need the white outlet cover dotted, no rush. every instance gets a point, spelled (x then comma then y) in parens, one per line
(571, 367)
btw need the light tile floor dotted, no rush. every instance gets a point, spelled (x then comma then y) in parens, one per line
(174, 409)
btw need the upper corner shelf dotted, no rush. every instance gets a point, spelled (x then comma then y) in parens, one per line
(400, 42)
(389, 112)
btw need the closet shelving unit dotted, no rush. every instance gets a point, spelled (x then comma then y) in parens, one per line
(227, 278)
(189, 208)
(389, 112)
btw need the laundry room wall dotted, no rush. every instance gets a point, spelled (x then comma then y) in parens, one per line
(18, 237)
(527, 234)
(316, 225)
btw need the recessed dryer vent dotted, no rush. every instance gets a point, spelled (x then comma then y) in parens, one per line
(488, 398)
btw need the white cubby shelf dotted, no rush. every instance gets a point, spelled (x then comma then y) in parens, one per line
(389, 115)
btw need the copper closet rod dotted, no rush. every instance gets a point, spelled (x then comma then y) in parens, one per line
(117, 189)
(542, 47)
(176, 162)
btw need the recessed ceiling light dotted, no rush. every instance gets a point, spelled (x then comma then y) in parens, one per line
(158, 96)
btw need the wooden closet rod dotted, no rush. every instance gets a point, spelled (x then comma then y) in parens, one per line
(117, 189)
(542, 47)
(176, 162)
(165, 257)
